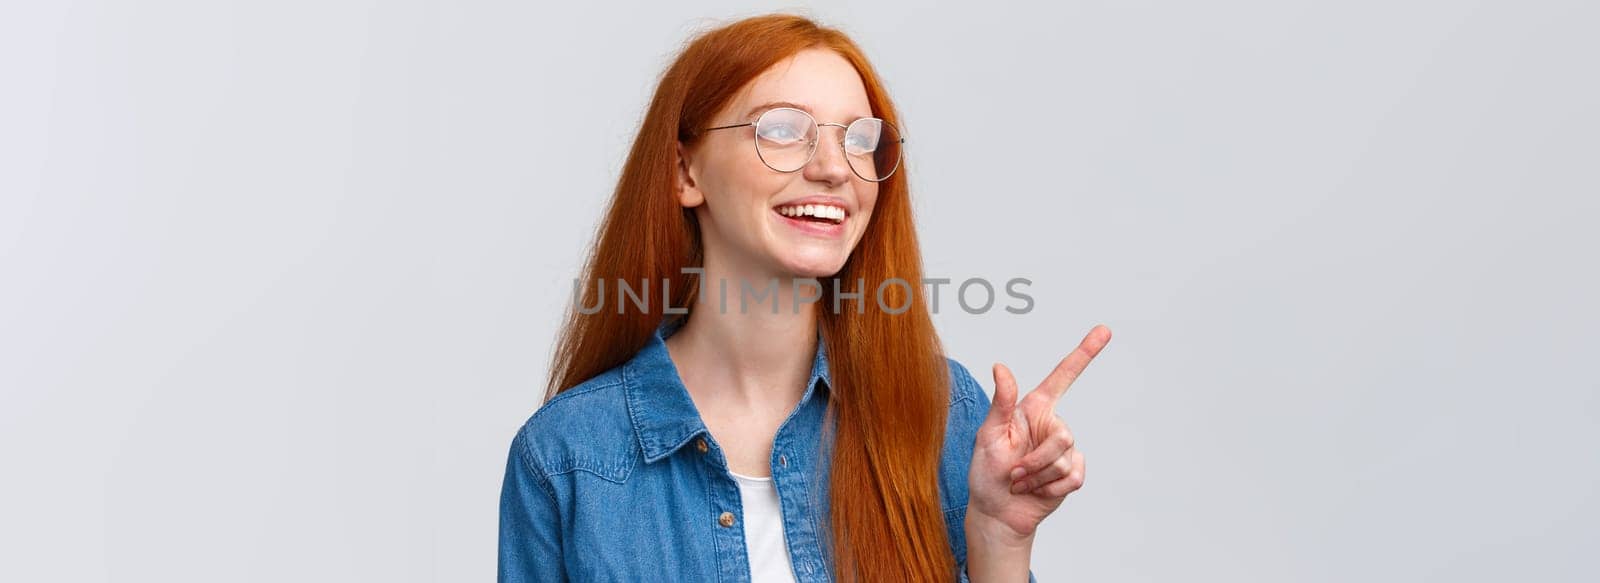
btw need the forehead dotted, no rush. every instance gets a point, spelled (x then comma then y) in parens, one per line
(817, 80)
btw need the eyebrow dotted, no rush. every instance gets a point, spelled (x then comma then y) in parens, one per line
(755, 112)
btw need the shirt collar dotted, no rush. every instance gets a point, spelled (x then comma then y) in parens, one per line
(664, 417)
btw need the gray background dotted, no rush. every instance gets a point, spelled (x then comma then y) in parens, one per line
(280, 279)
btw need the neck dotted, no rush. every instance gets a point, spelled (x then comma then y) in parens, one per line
(750, 358)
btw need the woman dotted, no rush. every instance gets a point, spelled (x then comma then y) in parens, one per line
(757, 405)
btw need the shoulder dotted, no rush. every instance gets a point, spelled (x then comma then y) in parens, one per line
(968, 407)
(584, 428)
(969, 404)
(964, 388)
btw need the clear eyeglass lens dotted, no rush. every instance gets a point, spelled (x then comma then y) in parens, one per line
(873, 148)
(785, 138)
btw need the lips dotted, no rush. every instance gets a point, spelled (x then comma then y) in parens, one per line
(810, 225)
(814, 212)
(822, 200)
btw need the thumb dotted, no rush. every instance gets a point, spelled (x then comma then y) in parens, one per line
(1005, 396)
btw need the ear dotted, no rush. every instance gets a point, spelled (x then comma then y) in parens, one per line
(689, 194)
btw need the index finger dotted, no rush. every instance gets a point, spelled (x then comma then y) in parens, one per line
(1058, 380)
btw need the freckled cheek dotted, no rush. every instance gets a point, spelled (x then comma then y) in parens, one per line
(736, 186)
(751, 180)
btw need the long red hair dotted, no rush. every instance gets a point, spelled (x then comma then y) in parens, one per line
(890, 384)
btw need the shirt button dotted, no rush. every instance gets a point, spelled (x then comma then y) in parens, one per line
(783, 461)
(700, 444)
(726, 519)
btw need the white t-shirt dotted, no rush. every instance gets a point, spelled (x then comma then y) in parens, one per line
(763, 531)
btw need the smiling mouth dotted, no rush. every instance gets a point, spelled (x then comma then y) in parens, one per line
(815, 213)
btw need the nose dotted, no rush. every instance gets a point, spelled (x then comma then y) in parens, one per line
(828, 164)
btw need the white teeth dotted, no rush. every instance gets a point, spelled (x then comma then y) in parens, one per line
(820, 211)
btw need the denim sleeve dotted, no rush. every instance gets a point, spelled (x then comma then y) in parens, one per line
(963, 381)
(530, 533)
(963, 571)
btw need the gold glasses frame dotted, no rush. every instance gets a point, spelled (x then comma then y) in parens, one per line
(811, 146)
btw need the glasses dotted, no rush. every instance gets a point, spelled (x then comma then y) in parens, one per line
(786, 140)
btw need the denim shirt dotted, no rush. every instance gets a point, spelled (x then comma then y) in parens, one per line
(618, 479)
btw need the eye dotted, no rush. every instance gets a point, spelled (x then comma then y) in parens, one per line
(781, 132)
(861, 142)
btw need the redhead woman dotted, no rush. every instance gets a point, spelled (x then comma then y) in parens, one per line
(749, 410)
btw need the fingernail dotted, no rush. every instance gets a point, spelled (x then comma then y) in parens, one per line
(1016, 473)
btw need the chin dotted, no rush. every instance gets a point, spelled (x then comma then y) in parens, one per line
(814, 267)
